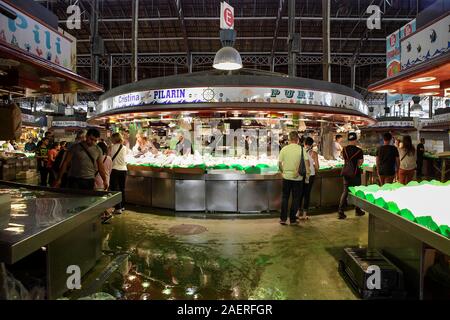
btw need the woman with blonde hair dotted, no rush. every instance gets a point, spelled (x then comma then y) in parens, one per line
(118, 153)
(408, 161)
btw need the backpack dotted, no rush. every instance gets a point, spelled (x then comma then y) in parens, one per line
(349, 170)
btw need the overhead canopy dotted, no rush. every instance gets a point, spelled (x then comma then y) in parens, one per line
(436, 70)
(244, 91)
(28, 71)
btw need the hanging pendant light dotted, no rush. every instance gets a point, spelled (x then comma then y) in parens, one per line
(227, 58)
(416, 107)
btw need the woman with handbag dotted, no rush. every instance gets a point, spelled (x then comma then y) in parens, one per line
(118, 152)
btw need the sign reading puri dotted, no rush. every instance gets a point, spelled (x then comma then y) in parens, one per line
(32, 36)
(226, 16)
(232, 94)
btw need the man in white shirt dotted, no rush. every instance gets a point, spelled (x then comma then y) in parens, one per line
(337, 147)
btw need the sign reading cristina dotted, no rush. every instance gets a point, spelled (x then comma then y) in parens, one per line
(231, 94)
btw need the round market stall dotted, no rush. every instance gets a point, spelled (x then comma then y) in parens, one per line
(235, 123)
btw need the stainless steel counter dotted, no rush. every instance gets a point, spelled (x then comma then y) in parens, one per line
(231, 192)
(49, 230)
(11, 168)
(405, 243)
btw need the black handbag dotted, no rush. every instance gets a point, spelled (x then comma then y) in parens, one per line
(302, 167)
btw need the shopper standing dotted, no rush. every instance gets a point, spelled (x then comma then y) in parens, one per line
(337, 147)
(58, 162)
(107, 164)
(388, 160)
(408, 161)
(420, 153)
(354, 158)
(42, 158)
(313, 159)
(85, 160)
(118, 153)
(51, 157)
(294, 171)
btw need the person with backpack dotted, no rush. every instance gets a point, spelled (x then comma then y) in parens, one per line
(353, 158)
(294, 166)
(118, 152)
(85, 161)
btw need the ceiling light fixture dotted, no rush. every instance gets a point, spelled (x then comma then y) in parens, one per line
(416, 106)
(433, 86)
(386, 91)
(429, 94)
(227, 58)
(423, 79)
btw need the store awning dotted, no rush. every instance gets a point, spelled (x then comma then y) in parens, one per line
(414, 80)
(28, 71)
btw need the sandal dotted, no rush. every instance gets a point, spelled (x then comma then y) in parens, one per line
(106, 218)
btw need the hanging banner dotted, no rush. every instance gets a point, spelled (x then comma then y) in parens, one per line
(393, 57)
(35, 38)
(232, 94)
(226, 16)
(426, 44)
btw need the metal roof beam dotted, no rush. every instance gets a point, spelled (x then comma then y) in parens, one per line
(237, 38)
(275, 34)
(306, 18)
(183, 26)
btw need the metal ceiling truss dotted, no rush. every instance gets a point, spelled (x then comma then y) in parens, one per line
(207, 59)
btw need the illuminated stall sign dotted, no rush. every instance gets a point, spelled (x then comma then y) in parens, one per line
(393, 124)
(426, 44)
(32, 36)
(69, 124)
(28, 118)
(231, 94)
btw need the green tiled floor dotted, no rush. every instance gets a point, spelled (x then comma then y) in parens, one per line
(227, 259)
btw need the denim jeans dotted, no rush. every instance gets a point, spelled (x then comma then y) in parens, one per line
(348, 182)
(295, 188)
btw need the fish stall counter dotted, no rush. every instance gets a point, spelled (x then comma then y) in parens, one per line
(221, 184)
(410, 225)
(43, 231)
(16, 165)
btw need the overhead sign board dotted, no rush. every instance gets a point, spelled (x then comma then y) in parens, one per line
(231, 94)
(426, 44)
(34, 37)
(226, 16)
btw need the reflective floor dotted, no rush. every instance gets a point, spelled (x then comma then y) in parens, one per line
(148, 256)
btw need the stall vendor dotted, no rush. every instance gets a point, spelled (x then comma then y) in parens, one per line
(184, 146)
(30, 146)
(143, 146)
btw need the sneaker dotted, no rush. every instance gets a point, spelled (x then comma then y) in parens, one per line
(118, 211)
(342, 216)
(359, 213)
(293, 222)
(284, 223)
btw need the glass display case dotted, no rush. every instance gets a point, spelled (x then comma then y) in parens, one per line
(44, 231)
